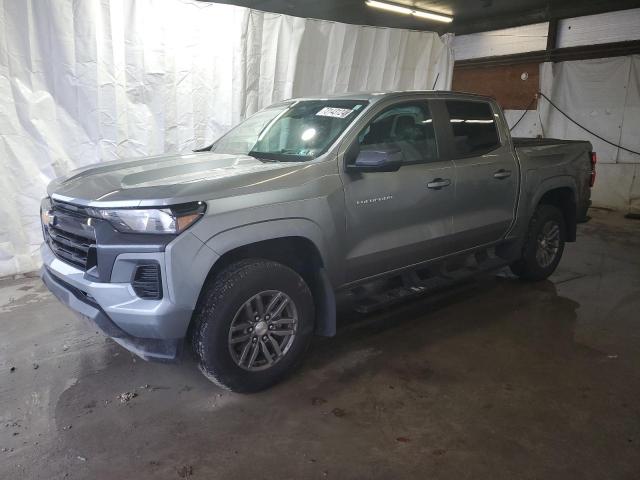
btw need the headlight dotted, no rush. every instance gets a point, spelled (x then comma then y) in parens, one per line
(170, 220)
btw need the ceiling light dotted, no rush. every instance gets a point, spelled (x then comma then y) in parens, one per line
(389, 6)
(432, 16)
(392, 7)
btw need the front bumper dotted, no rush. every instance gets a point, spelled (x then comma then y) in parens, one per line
(152, 329)
(81, 303)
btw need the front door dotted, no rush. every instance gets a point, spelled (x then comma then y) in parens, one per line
(396, 219)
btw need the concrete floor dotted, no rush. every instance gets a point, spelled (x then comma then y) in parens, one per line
(498, 379)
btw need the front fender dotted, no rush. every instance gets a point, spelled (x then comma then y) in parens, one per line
(320, 285)
(244, 235)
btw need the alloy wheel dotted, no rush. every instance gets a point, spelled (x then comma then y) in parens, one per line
(548, 244)
(263, 330)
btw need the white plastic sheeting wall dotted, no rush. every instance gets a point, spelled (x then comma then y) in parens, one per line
(291, 56)
(83, 82)
(604, 96)
(528, 126)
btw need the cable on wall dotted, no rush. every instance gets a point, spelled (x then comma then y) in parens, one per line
(573, 121)
(526, 110)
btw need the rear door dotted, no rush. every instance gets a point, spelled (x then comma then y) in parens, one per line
(486, 172)
(396, 219)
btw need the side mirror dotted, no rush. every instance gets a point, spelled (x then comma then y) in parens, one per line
(381, 159)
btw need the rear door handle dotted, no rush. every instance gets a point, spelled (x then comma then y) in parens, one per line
(439, 183)
(502, 174)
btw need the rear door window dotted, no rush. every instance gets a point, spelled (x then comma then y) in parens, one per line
(474, 128)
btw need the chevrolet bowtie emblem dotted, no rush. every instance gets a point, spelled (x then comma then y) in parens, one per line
(48, 218)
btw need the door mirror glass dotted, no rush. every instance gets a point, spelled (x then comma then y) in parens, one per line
(384, 158)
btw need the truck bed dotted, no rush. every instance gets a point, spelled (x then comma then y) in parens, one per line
(551, 157)
(540, 142)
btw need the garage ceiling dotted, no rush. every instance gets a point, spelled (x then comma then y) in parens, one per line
(469, 15)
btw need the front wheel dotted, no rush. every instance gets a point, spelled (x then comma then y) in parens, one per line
(253, 325)
(543, 245)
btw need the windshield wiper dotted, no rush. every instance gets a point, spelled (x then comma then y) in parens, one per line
(257, 156)
(279, 157)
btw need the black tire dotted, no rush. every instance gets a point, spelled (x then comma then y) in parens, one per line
(221, 302)
(529, 266)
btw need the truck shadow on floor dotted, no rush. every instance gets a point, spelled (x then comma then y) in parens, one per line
(488, 310)
(484, 311)
(416, 353)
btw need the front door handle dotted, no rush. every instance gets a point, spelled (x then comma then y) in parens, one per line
(502, 174)
(439, 183)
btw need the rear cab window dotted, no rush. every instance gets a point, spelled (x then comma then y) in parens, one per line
(473, 126)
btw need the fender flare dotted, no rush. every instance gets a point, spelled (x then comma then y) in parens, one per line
(548, 184)
(321, 287)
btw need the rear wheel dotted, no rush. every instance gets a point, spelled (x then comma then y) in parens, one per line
(543, 245)
(253, 325)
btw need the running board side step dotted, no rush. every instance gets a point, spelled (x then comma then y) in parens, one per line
(413, 286)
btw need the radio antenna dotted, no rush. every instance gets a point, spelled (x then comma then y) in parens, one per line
(436, 81)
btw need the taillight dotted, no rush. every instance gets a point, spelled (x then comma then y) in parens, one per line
(594, 160)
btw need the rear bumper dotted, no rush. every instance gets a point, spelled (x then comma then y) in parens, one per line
(583, 212)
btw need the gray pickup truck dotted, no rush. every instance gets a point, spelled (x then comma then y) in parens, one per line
(241, 247)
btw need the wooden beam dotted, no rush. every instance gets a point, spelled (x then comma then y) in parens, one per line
(552, 34)
(583, 52)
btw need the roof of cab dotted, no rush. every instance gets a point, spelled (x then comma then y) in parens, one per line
(374, 97)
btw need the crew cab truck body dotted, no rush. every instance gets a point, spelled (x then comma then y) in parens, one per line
(241, 247)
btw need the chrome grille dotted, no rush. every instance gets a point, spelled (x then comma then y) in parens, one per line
(70, 234)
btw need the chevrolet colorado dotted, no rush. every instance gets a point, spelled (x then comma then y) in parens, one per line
(241, 247)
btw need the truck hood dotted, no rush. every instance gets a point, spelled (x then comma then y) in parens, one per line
(165, 180)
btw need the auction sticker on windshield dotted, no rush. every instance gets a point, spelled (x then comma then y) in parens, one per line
(334, 112)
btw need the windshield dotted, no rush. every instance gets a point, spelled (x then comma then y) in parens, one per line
(291, 132)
